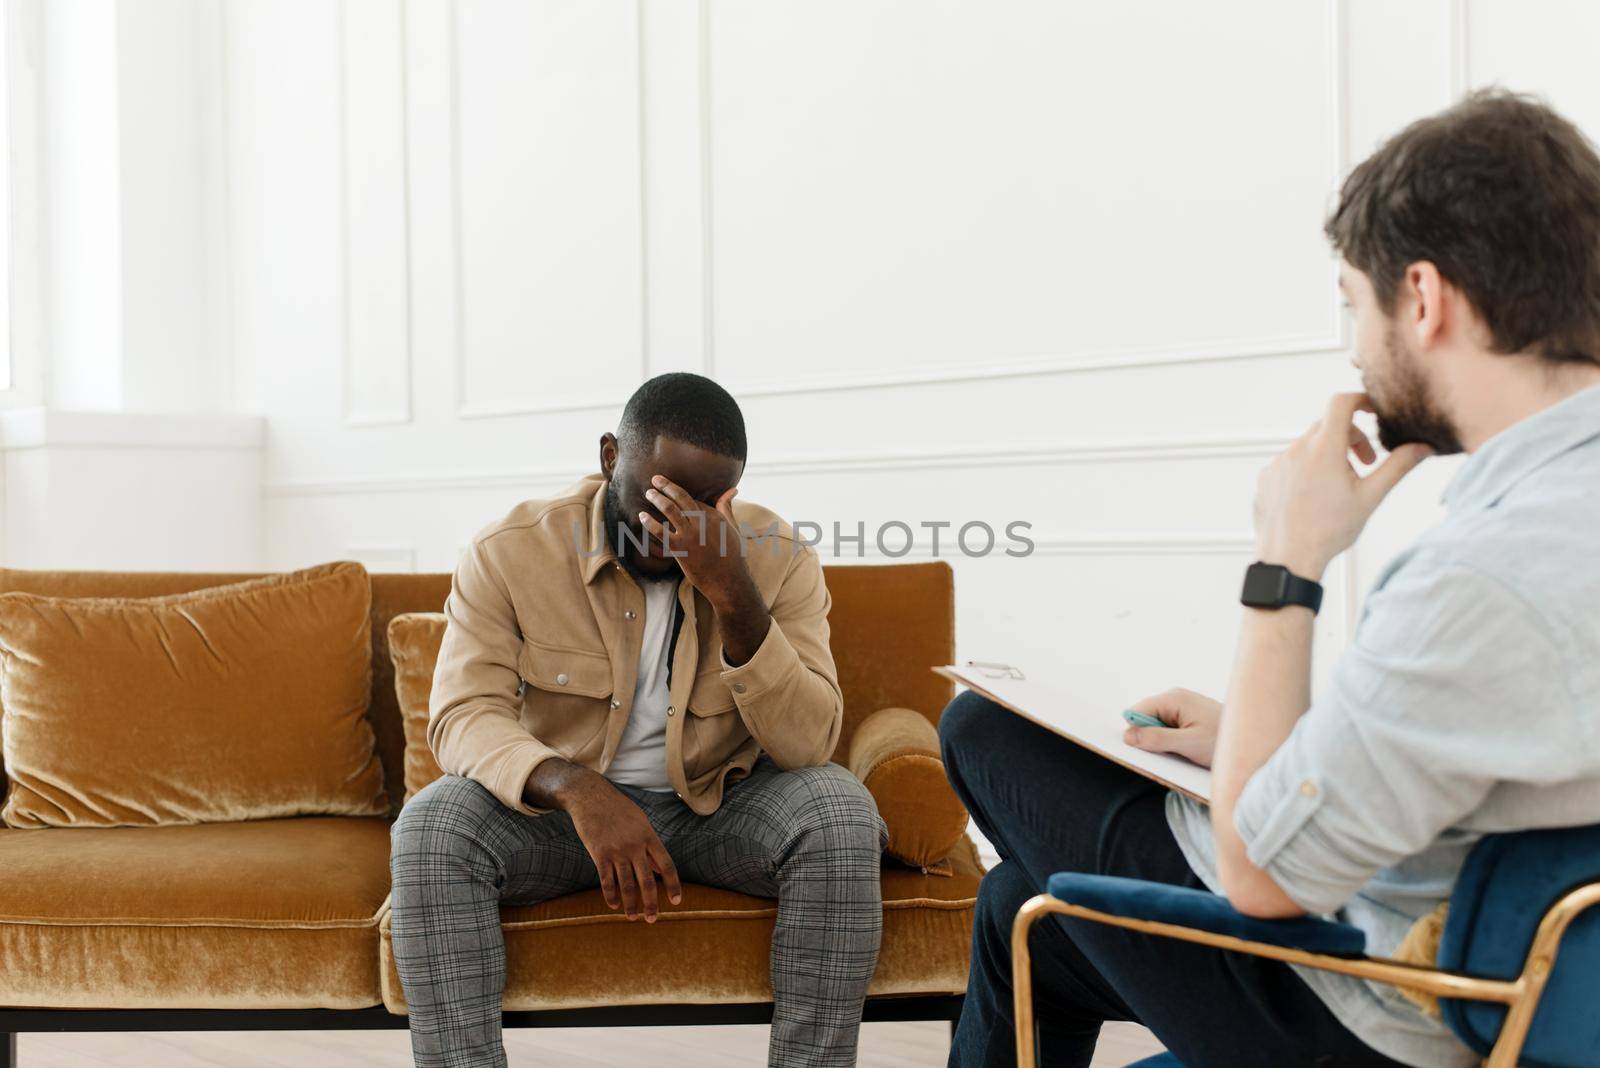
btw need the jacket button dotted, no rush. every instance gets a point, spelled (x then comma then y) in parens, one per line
(561, 679)
(628, 614)
(669, 710)
(615, 704)
(738, 687)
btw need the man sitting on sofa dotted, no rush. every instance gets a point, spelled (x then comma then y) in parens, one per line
(635, 685)
(1468, 701)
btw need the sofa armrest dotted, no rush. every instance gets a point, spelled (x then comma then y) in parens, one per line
(895, 753)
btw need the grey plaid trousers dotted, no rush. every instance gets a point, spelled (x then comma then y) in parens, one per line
(812, 838)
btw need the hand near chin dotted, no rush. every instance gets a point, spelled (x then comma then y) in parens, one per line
(1311, 504)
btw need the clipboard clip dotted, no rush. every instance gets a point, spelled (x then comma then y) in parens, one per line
(994, 670)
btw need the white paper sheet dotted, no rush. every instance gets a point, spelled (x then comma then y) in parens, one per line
(1090, 725)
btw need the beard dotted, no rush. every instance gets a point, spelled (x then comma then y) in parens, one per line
(1405, 406)
(615, 524)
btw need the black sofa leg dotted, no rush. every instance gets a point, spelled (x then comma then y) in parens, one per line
(8, 1049)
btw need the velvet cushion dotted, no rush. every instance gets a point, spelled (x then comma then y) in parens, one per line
(1507, 884)
(238, 702)
(889, 626)
(264, 914)
(392, 595)
(1184, 907)
(715, 947)
(414, 641)
(895, 753)
(890, 623)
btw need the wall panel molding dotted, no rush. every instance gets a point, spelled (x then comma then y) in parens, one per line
(383, 558)
(1460, 44)
(981, 367)
(1054, 363)
(1137, 450)
(374, 205)
(605, 396)
(1134, 543)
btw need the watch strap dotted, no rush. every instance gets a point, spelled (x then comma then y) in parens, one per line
(1302, 591)
(1273, 586)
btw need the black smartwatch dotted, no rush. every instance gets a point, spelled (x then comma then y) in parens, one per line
(1274, 586)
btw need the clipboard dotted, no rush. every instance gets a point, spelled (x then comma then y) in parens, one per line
(1079, 721)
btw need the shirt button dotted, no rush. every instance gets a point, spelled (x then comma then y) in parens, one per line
(1308, 788)
(738, 687)
(561, 679)
(628, 614)
(615, 704)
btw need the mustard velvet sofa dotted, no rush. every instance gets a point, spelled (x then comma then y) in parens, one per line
(282, 924)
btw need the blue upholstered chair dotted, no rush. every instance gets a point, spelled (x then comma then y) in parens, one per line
(1501, 985)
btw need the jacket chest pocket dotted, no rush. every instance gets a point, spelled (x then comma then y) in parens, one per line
(710, 696)
(570, 673)
(711, 734)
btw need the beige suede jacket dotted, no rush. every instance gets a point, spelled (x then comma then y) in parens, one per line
(541, 653)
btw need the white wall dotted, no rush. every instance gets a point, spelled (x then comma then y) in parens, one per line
(1012, 260)
(119, 447)
(1017, 260)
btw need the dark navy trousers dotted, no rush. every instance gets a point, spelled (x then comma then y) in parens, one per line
(1048, 805)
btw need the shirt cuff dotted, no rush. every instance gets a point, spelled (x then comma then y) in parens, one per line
(774, 661)
(512, 777)
(1271, 818)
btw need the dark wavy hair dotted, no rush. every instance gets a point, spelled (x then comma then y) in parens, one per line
(1502, 195)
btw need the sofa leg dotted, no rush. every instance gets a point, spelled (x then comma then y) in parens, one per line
(8, 1049)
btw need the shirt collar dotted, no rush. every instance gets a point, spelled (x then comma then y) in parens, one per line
(1522, 448)
(598, 553)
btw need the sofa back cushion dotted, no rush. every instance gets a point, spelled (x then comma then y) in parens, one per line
(414, 642)
(238, 702)
(392, 595)
(889, 625)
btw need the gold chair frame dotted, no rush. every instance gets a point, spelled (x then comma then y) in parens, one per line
(1520, 995)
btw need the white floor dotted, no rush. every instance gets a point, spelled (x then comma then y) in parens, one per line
(883, 1045)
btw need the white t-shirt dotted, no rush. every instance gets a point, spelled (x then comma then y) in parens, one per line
(641, 758)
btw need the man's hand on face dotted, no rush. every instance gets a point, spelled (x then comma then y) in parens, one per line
(708, 545)
(625, 848)
(1310, 502)
(1191, 725)
(704, 540)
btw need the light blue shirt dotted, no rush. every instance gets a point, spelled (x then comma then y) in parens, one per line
(1468, 703)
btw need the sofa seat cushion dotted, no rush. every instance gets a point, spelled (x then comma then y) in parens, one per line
(263, 914)
(714, 947)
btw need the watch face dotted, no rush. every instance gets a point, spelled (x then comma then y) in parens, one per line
(1265, 585)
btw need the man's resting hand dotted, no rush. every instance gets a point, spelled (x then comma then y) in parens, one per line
(624, 846)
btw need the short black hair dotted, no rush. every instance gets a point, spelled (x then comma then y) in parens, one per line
(685, 407)
(1502, 195)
